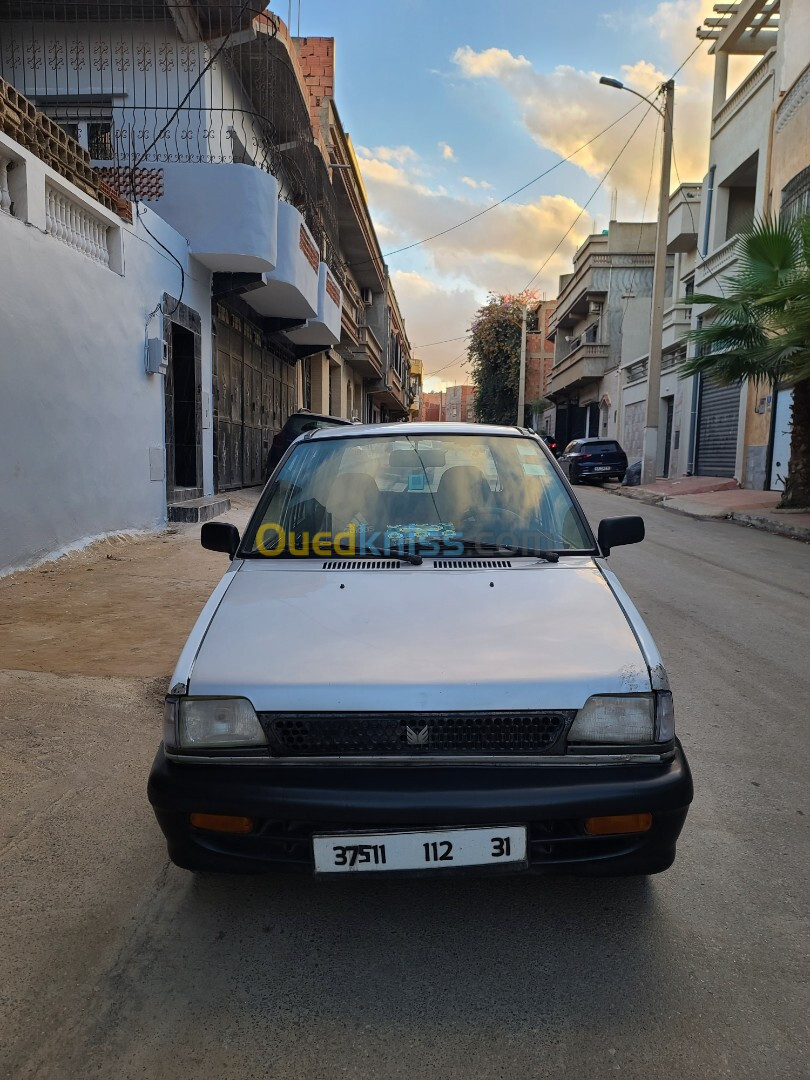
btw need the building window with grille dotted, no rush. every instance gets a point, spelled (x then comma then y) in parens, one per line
(796, 195)
(89, 123)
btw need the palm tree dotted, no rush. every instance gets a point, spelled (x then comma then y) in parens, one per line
(760, 329)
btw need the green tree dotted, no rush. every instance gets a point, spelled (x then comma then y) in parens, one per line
(760, 330)
(494, 354)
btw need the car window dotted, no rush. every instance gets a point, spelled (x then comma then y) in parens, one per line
(602, 446)
(485, 489)
(571, 448)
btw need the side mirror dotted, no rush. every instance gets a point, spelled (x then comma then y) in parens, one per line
(218, 536)
(615, 532)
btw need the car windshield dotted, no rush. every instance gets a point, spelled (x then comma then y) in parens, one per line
(383, 494)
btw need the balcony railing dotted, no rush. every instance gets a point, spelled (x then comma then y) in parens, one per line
(720, 260)
(746, 90)
(76, 226)
(141, 85)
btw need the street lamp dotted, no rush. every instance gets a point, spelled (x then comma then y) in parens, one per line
(649, 456)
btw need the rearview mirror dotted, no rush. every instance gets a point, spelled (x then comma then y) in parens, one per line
(219, 536)
(615, 532)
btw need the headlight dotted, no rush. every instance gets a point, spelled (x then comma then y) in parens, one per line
(664, 716)
(615, 718)
(212, 723)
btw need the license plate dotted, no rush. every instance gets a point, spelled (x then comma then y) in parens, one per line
(439, 849)
(602, 468)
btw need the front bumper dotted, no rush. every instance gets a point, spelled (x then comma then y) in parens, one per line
(291, 803)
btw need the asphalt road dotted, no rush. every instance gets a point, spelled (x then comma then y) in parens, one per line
(115, 964)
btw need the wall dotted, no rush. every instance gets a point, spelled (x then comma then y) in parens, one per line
(78, 414)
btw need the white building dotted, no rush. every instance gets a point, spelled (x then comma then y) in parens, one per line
(232, 267)
(677, 394)
(600, 325)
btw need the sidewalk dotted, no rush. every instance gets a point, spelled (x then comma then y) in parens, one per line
(708, 497)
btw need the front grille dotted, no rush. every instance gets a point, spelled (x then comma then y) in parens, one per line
(410, 735)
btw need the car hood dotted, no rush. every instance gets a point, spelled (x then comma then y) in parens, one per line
(419, 638)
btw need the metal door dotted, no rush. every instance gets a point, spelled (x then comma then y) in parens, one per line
(668, 434)
(718, 420)
(782, 431)
(254, 395)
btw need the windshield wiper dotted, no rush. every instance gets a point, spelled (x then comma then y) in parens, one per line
(333, 553)
(480, 545)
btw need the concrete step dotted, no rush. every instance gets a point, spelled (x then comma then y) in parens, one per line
(198, 510)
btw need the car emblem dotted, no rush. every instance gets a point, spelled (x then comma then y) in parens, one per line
(417, 738)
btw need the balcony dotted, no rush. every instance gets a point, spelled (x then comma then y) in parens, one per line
(35, 194)
(684, 218)
(208, 153)
(677, 324)
(757, 78)
(586, 363)
(228, 213)
(290, 291)
(717, 265)
(324, 328)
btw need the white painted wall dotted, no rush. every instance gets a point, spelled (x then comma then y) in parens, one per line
(78, 413)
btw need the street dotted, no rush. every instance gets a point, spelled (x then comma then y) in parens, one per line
(115, 963)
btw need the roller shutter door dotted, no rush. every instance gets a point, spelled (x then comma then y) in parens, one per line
(718, 420)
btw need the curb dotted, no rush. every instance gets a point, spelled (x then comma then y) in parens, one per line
(736, 517)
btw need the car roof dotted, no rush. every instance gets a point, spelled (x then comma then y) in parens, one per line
(305, 414)
(420, 428)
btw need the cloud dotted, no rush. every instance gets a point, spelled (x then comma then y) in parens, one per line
(476, 184)
(498, 251)
(489, 63)
(448, 153)
(562, 108)
(434, 311)
(400, 154)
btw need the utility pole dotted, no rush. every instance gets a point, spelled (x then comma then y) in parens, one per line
(649, 456)
(521, 409)
(649, 452)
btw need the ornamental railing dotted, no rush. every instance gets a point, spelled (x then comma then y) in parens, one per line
(144, 85)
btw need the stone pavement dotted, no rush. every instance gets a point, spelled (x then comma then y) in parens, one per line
(709, 497)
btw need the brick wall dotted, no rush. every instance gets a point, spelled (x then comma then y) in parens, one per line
(35, 131)
(316, 58)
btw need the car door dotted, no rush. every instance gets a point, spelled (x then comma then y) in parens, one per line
(566, 456)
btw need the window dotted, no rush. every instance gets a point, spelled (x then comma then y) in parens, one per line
(89, 123)
(411, 491)
(796, 195)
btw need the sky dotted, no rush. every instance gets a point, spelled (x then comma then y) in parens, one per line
(454, 104)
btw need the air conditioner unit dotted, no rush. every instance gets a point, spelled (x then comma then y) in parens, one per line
(365, 296)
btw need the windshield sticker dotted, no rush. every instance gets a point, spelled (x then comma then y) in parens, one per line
(526, 449)
(531, 469)
(420, 532)
(416, 481)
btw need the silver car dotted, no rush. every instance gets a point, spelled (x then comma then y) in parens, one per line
(419, 661)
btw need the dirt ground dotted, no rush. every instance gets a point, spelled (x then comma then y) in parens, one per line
(120, 607)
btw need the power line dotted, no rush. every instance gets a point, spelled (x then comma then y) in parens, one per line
(430, 344)
(589, 200)
(505, 199)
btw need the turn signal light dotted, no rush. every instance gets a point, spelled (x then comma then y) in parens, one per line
(222, 823)
(618, 823)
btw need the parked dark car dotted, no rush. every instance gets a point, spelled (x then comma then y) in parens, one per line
(551, 443)
(632, 478)
(593, 459)
(296, 425)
